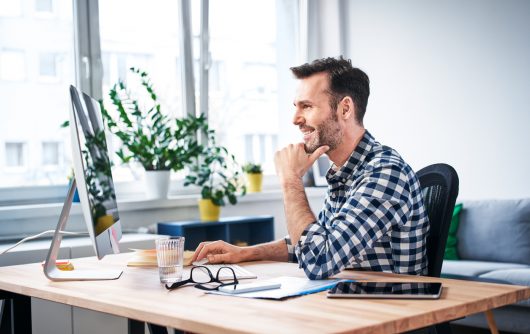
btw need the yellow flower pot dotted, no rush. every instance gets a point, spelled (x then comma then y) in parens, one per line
(254, 182)
(208, 211)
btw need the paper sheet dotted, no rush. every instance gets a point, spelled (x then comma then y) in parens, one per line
(290, 287)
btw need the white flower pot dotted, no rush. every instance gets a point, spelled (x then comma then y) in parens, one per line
(156, 184)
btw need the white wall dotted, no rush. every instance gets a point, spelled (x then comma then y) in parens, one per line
(450, 83)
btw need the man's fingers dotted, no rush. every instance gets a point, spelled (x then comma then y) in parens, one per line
(218, 258)
(197, 251)
(318, 152)
(208, 248)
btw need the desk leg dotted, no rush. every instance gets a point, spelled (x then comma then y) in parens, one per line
(491, 322)
(16, 313)
(135, 326)
(138, 327)
(155, 329)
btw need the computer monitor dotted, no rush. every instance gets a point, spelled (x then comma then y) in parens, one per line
(93, 180)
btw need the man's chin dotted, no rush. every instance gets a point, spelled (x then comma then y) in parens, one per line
(309, 149)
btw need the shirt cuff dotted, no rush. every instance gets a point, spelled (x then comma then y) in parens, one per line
(310, 232)
(291, 256)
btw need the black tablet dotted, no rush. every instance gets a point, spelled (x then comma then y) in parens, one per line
(407, 290)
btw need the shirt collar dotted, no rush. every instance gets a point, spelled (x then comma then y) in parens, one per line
(355, 161)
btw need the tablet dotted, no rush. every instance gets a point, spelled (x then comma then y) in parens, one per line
(407, 290)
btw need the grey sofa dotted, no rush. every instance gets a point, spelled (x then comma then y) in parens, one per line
(493, 242)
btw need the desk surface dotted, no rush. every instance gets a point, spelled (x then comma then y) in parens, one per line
(139, 295)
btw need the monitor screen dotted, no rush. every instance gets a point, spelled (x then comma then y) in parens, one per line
(92, 169)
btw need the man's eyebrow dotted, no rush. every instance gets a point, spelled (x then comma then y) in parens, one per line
(303, 102)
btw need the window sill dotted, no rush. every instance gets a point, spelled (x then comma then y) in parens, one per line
(136, 203)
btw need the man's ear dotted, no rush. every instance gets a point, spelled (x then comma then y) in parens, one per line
(347, 108)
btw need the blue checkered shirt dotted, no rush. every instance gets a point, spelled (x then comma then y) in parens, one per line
(373, 218)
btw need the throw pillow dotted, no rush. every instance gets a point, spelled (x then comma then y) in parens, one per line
(451, 252)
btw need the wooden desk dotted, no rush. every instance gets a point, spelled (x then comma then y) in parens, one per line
(139, 295)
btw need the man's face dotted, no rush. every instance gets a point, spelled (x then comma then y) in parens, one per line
(318, 123)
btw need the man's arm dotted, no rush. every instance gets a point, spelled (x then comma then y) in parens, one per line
(297, 210)
(292, 162)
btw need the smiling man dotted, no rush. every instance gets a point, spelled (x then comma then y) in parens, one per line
(373, 216)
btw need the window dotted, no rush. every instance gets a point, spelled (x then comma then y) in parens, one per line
(149, 42)
(50, 153)
(31, 109)
(12, 65)
(15, 154)
(243, 105)
(247, 61)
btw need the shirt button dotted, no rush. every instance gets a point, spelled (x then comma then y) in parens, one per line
(343, 180)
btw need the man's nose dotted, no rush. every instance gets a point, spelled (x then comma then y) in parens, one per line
(298, 119)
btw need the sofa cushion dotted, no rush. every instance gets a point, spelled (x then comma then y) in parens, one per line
(451, 252)
(476, 268)
(519, 276)
(495, 230)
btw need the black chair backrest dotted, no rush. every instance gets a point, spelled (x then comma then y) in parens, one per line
(439, 186)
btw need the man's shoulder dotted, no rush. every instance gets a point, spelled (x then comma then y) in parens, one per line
(384, 157)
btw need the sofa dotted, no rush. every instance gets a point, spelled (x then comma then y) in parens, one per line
(493, 244)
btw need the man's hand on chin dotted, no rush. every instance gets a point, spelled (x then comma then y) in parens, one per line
(292, 162)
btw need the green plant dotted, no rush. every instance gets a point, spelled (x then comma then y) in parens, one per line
(252, 168)
(155, 140)
(217, 173)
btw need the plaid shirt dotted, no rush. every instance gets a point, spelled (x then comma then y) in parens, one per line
(373, 218)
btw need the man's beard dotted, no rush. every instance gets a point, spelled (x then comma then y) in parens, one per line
(327, 133)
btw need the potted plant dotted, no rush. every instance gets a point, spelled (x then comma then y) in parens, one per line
(219, 176)
(254, 174)
(155, 140)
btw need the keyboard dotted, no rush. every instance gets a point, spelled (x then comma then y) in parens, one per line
(241, 273)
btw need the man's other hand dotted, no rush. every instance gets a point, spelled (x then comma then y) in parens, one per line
(218, 252)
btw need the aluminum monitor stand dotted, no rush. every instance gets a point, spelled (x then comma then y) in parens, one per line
(50, 268)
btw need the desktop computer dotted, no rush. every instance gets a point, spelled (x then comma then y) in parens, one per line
(93, 180)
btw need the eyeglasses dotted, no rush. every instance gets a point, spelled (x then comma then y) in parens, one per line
(205, 280)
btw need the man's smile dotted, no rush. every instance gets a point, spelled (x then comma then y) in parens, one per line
(307, 132)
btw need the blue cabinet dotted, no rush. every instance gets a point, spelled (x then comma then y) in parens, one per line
(244, 230)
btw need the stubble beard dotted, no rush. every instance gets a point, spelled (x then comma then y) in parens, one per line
(328, 133)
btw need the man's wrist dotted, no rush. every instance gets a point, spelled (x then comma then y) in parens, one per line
(292, 181)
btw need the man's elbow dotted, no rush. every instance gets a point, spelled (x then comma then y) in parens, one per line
(314, 272)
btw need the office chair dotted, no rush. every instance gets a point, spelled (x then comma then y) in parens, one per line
(439, 186)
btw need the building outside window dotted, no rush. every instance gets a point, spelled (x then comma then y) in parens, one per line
(33, 52)
(49, 66)
(12, 65)
(44, 6)
(50, 153)
(15, 154)
(11, 8)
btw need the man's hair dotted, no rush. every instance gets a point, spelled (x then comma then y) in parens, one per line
(344, 80)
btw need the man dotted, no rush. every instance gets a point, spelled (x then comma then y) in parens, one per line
(373, 216)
